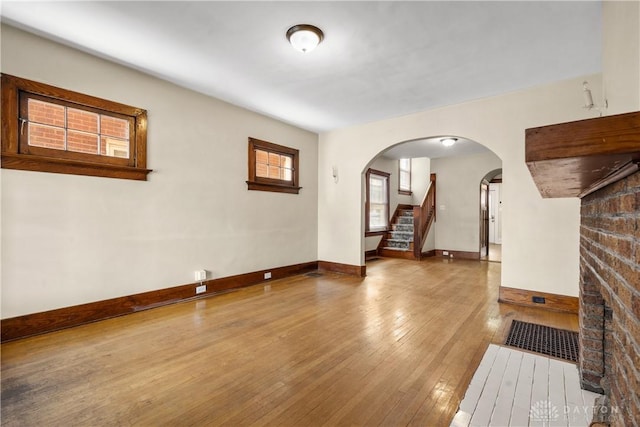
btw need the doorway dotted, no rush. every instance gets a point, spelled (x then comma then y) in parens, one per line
(491, 216)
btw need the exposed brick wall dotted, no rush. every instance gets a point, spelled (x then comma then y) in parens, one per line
(610, 297)
(47, 123)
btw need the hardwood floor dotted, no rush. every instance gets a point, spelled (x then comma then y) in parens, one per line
(397, 347)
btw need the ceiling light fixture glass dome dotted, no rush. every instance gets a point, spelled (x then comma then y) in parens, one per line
(448, 142)
(304, 37)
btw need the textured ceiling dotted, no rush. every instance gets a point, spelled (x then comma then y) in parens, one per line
(378, 59)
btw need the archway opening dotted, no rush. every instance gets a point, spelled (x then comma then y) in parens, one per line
(457, 169)
(491, 216)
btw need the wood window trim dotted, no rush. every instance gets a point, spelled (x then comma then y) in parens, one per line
(269, 184)
(367, 231)
(13, 156)
(401, 190)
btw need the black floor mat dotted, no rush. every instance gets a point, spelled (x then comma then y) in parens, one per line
(541, 339)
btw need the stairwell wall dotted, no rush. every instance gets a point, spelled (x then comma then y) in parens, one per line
(458, 199)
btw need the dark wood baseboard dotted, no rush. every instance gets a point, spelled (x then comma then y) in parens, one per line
(429, 254)
(459, 254)
(371, 253)
(352, 270)
(53, 320)
(552, 302)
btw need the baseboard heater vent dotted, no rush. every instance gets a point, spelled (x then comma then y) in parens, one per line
(541, 339)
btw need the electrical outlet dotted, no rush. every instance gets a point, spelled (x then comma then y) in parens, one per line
(445, 253)
(267, 275)
(201, 275)
(538, 300)
(201, 289)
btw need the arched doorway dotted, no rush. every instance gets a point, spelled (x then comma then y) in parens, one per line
(458, 171)
(491, 216)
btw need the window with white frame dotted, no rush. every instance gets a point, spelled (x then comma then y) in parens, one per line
(377, 202)
(404, 176)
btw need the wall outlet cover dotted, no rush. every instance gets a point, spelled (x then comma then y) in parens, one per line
(201, 289)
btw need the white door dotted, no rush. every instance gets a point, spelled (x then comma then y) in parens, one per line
(495, 214)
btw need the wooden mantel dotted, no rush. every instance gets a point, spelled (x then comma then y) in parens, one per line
(577, 158)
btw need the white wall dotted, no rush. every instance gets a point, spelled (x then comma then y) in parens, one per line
(457, 227)
(540, 237)
(69, 239)
(621, 56)
(420, 179)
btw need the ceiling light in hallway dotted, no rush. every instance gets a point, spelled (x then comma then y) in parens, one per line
(448, 142)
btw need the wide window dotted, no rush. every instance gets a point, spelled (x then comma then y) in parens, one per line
(49, 129)
(404, 174)
(273, 167)
(377, 202)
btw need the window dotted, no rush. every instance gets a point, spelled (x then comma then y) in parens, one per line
(377, 203)
(273, 167)
(404, 174)
(49, 129)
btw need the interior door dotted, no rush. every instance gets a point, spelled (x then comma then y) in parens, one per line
(495, 217)
(484, 219)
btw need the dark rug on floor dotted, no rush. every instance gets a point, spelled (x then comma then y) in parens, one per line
(541, 339)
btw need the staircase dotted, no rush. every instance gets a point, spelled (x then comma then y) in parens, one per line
(398, 243)
(409, 227)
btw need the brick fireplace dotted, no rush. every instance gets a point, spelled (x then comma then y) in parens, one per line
(610, 297)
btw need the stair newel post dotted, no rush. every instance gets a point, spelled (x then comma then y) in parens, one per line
(417, 232)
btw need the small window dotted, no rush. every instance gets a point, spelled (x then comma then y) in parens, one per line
(404, 174)
(273, 167)
(377, 202)
(55, 130)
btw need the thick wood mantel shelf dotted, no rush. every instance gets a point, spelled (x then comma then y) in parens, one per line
(577, 158)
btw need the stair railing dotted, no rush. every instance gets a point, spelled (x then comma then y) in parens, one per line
(423, 217)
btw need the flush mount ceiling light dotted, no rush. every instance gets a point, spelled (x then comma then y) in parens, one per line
(448, 142)
(304, 37)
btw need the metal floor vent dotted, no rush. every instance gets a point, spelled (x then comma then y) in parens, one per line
(541, 339)
(314, 274)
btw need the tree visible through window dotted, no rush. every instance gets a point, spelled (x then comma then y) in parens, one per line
(377, 202)
(404, 174)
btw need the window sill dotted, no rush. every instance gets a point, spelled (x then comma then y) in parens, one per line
(405, 192)
(72, 167)
(275, 188)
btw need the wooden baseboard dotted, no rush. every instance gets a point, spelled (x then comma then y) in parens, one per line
(459, 254)
(552, 302)
(53, 320)
(352, 270)
(371, 253)
(429, 254)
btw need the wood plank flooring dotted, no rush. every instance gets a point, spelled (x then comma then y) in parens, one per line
(517, 388)
(398, 347)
